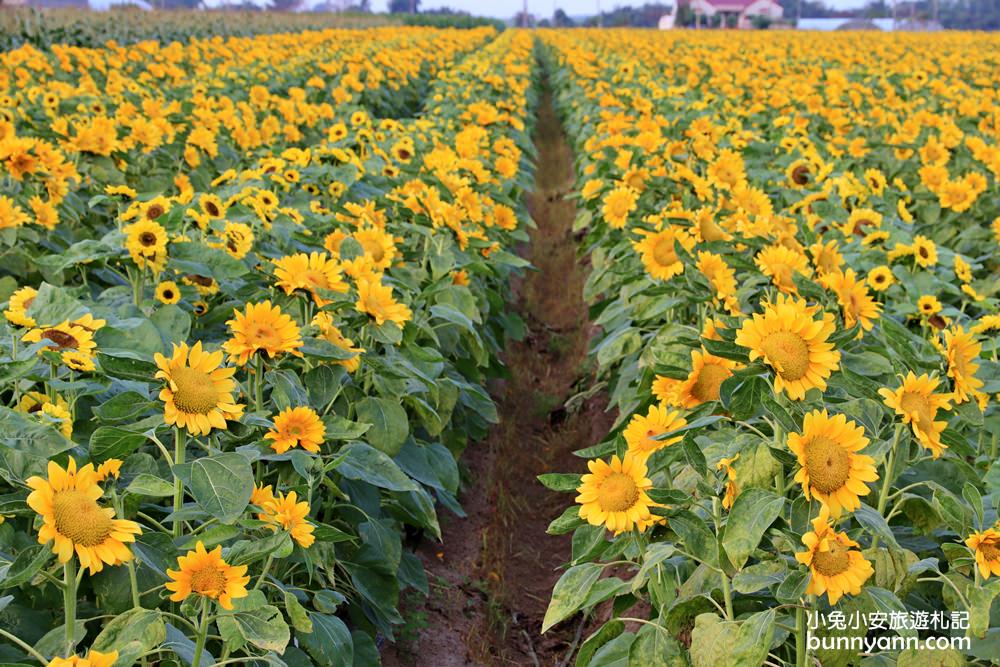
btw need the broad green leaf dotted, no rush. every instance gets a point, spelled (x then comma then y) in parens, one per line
(330, 643)
(389, 423)
(570, 592)
(560, 481)
(149, 485)
(220, 484)
(365, 463)
(754, 510)
(112, 442)
(131, 634)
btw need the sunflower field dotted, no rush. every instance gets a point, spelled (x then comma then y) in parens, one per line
(254, 287)
(793, 242)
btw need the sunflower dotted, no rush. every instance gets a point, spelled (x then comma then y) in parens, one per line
(312, 273)
(659, 254)
(614, 494)
(617, 206)
(832, 470)
(236, 239)
(296, 427)
(665, 389)
(376, 300)
(110, 468)
(378, 245)
(835, 568)
(928, 305)
(855, 302)
(790, 340)
(780, 263)
(17, 307)
(93, 659)
(212, 206)
(168, 292)
(799, 174)
(916, 402)
(826, 257)
(986, 545)
(199, 393)
(69, 339)
(861, 221)
(333, 335)
(708, 372)
(961, 350)
(924, 251)
(731, 489)
(286, 513)
(146, 242)
(261, 327)
(207, 574)
(73, 521)
(881, 278)
(721, 277)
(642, 430)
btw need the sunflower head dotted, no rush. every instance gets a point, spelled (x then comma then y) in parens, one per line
(986, 545)
(643, 431)
(917, 403)
(835, 567)
(205, 573)
(199, 391)
(614, 494)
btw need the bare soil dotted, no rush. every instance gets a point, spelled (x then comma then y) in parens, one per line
(492, 574)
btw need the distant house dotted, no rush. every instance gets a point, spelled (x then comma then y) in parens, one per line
(740, 12)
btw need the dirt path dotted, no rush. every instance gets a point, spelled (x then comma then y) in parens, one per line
(492, 575)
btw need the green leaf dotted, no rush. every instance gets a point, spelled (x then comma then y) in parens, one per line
(980, 600)
(654, 647)
(297, 613)
(566, 522)
(199, 259)
(718, 642)
(563, 482)
(759, 575)
(754, 510)
(220, 484)
(364, 462)
(570, 592)
(698, 539)
(173, 323)
(126, 365)
(594, 642)
(869, 517)
(25, 566)
(145, 484)
(53, 305)
(330, 643)
(338, 428)
(25, 444)
(111, 442)
(726, 350)
(126, 406)
(133, 633)
(263, 627)
(390, 426)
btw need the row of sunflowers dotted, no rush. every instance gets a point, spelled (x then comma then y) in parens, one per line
(794, 249)
(254, 288)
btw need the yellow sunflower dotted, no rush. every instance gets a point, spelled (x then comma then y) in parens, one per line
(855, 302)
(861, 222)
(916, 402)
(826, 257)
(799, 174)
(708, 372)
(199, 392)
(986, 545)
(790, 340)
(780, 263)
(376, 300)
(261, 327)
(146, 242)
(285, 512)
(614, 494)
(296, 427)
(378, 245)
(17, 307)
(961, 350)
(832, 470)
(658, 253)
(205, 573)
(73, 520)
(721, 277)
(73, 342)
(312, 273)
(881, 278)
(642, 430)
(835, 568)
(617, 206)
(93, 659)
(731, 489)
(665, 389)
(924, 251)
(168, 292)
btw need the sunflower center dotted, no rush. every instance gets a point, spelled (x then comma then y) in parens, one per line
(833, 562)
(212, 209)
(208, 581)
(80, 518)
(664, 252)
(711, 377)
(828, 464)
(990, 549)
(154, 212)
(912, 402)
(147, 239)
(265, 337)
(316, 280)
(195, 393)
(800, 175)
(788, 353)
(618, 493)
(62, 339)
(375, 250)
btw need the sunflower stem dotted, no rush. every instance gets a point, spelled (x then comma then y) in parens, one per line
(727, 594)
(24, 647)
(890, 465)
(258, 383)
(199, 646)
(263, 574)
(180, 444)
(801, 656)
(69, 604)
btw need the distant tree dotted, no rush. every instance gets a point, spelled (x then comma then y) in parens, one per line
(562, 20)
(524, 20)
(284, 5)
(646, 16)
(404, 6)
